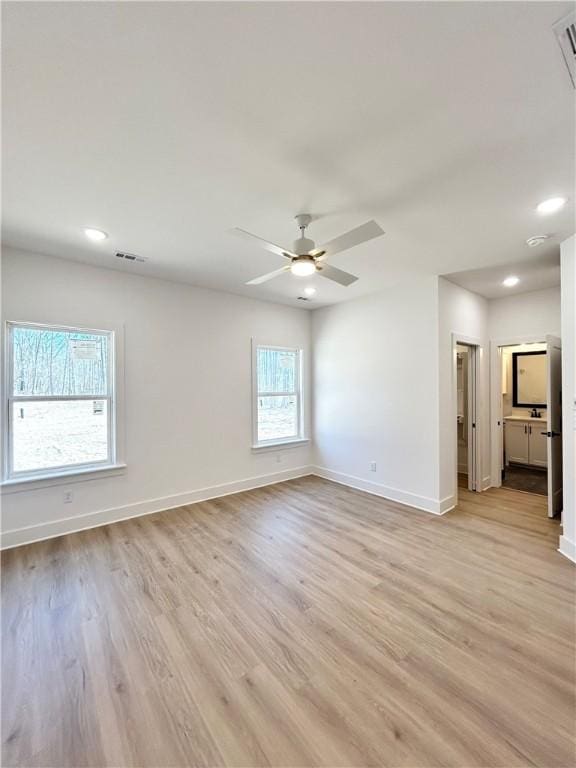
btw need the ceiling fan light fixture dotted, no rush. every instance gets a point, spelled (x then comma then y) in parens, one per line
(303, 267)
(306, 259)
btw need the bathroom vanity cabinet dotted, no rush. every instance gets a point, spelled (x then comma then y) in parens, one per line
(524, 441)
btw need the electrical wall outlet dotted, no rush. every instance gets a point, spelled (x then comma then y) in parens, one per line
(68, 496)
(372, 466)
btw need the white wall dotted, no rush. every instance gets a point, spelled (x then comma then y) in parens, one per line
(568, 268)
(465, 314)
(187, 380)
(525, 314)
(383, 386)
(376, 392)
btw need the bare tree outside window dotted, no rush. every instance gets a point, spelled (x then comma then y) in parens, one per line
(278, 394)
(60, 399)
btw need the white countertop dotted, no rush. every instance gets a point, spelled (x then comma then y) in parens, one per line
(540, 419)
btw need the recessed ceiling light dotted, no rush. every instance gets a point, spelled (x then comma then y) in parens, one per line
(310, 291)
(303, 267)
(551, 205)
(511, 281)
(95, 234)
(532, 242)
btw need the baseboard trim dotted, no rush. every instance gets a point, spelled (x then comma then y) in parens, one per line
(567, 548)
(423, 503)
(446, 504)
(486, 483)
(29, 534)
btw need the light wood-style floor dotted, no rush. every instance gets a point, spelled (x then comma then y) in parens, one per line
(303, 624)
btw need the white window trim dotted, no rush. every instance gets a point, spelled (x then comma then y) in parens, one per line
(55, 475)
(300, 438)
(63, 478)
(271, 445)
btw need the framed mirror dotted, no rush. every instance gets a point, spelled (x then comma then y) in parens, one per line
(529, 379)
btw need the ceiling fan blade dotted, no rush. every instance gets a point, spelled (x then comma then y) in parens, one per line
(338, 275)
(269, 276)
(262, 243)
(361, 234)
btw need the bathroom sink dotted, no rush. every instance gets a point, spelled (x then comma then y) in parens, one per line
(525, 418)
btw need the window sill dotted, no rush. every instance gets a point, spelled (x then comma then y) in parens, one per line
(276, 444)
(16, 485)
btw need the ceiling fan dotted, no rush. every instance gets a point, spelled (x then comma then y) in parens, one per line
(306, 259)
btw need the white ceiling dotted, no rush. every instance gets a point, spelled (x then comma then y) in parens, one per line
(541, 271)
(166, 124)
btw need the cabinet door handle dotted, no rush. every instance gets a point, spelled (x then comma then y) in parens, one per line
(525, 429)
(530, 429)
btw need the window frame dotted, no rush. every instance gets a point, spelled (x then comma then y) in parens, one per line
(297, 393)
(10, 476)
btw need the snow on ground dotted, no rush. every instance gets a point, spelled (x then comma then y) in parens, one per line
(277, 423)
(55, 434)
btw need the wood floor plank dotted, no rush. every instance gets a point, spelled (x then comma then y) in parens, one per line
(301, 624)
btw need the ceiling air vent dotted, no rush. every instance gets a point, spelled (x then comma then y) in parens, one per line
(565, 31)
(130, 256)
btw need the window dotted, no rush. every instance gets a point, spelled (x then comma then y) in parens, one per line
(60, 404)
(278, 388)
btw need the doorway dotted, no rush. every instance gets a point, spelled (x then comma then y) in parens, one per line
(467, 453)
(465, 447)
(527, 402)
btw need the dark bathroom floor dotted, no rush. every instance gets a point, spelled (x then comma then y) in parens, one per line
(526, 479)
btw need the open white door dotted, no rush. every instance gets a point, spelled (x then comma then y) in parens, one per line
(502, 388)
(554, 423)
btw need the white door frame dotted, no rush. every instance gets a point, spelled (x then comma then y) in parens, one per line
(475, 410)
(496, 418)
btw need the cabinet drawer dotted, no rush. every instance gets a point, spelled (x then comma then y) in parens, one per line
(516, 442)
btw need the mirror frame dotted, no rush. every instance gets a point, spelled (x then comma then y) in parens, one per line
(515, 403)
